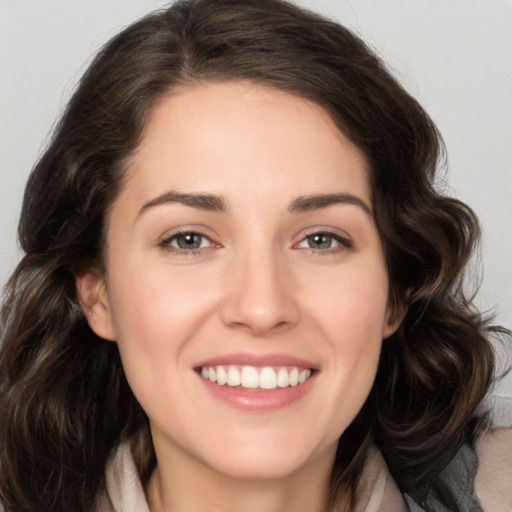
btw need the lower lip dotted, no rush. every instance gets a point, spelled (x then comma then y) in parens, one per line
(259, 400)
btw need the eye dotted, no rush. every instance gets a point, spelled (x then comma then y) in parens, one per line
(324, 241)
(186, 242)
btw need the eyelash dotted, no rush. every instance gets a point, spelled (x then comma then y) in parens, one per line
(166, 243)
(343, 243)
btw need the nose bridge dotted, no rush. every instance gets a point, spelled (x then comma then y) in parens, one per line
(260, 293)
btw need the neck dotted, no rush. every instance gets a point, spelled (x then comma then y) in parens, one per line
(179, 485)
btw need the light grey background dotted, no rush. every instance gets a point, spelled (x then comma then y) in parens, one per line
(453, 55)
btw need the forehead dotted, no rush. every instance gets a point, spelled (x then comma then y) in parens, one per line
(228, 137)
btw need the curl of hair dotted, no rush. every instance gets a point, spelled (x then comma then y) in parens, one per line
(64, 400)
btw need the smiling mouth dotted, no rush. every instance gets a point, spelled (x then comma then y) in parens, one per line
(255, 378)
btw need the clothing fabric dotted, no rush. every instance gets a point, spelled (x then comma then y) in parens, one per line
(480, 480)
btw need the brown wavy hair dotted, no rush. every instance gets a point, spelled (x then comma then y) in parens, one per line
(64, 400)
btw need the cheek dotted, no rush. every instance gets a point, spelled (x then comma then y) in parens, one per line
(361, 326)
(352, 317)
(155, 307)
(154, 316)
(353, 307)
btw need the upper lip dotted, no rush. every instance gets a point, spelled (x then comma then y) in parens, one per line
(258, 360)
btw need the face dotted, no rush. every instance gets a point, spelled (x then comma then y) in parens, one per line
(246, 285)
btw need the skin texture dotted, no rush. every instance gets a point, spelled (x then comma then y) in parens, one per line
(254, 286)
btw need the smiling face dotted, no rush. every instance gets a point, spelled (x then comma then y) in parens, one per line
(242, 250)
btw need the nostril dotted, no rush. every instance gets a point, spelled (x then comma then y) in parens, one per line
(259, 300)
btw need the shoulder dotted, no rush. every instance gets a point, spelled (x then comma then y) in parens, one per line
(493, 481)
(478, 479)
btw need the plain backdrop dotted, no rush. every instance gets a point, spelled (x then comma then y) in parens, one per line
(454, 55)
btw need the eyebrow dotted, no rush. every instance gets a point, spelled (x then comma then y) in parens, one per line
(314, 202)
(209, 202)
(217, 203)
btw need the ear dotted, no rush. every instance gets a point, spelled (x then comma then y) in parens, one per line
(396, 311)
(92, 296)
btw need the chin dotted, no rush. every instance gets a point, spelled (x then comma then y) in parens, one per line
(270, 459)
(260, 469)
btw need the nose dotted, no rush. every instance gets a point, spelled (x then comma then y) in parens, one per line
(260, 296)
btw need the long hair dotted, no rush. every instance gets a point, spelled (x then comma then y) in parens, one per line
(64, 400)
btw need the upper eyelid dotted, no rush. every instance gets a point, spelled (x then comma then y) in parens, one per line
(343, 242)
(340, 235)
(186, 230)
(174, 236)
(317, 230)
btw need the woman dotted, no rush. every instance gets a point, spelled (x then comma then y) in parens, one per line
(241, 289)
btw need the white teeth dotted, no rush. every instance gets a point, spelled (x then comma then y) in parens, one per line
(222, 376)
(283, 379)
(268, 379)
(294, 377)
(233, 376)
(252, 377)
(249, 377)
(304, 375)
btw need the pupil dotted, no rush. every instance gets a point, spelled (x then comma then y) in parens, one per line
(320, 241)
(189, 241)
